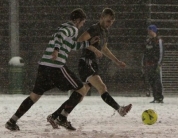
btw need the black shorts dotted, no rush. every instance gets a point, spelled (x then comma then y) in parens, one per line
(62, 78)
(87, 68)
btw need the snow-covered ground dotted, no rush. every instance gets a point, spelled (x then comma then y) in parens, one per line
(92, 118)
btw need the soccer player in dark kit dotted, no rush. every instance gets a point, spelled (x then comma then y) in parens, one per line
(88, 66)
(53, 72)
(152, 63)
(88, 63)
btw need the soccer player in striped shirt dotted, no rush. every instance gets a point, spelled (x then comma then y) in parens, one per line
(53, 72)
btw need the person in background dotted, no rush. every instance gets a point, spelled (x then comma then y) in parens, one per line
(152, 63)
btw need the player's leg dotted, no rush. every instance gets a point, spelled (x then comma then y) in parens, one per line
(40, 87)
(152, 80)
(67, 81)
(87, 87)
(53, 118)
(158, 86)
(84, 71)
(97, 82)
(88, 71)
(59, 117)
(23, 108)
(147, 86)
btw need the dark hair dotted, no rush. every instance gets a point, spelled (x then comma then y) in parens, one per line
(77, 14)
(108, 11)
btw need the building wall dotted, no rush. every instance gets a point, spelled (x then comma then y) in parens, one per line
(39, 19)
(4, 44)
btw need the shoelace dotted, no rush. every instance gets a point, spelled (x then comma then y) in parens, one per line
(66, 123)
(114, 113)
(69, 124)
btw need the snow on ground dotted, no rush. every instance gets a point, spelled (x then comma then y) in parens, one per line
(92, 118)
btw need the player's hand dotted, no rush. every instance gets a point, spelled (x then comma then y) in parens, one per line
(54, 55)
(121, 64)
(94, 40)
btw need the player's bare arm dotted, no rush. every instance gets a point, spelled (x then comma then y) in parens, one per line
(86, 36)
(55, 53)
(96, 51)
(105, 50)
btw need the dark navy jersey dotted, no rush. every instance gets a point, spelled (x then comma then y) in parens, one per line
(96, 30)
(153, 53)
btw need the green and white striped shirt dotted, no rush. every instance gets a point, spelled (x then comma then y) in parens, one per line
(64, 39)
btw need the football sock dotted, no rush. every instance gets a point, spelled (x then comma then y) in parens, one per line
(59, 110)
(13, 119)
(23, 108)
(109, 100)
(68, 105)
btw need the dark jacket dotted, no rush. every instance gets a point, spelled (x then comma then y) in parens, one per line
(153, 52)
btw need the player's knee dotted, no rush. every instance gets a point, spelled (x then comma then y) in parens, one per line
(34, 97)
(82, 91)
(81, 99)
(102, 88)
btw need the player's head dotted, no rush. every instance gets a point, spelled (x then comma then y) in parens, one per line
(107, 18)
(152, 30)
(78, 17)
